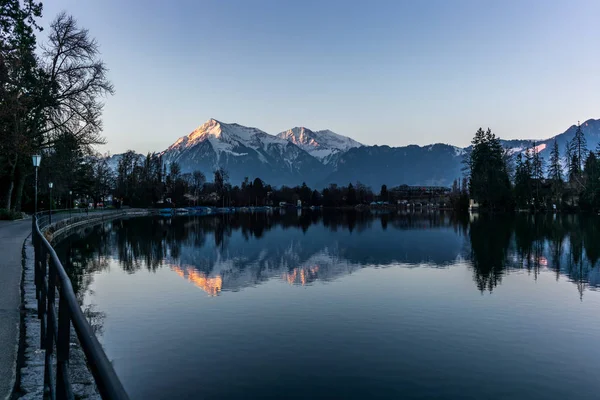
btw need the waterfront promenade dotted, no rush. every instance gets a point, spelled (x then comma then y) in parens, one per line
(12, 236)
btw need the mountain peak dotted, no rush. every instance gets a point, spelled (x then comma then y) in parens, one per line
(212, 127)
(322, 145)
(300, 136)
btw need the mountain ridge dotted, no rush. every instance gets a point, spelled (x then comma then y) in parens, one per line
(323, 145)
(322, 157)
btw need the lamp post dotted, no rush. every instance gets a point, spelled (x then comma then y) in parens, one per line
(70, 202)
(50, 186)
(37, 159)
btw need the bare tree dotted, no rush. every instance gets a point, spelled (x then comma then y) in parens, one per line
(221, 177)
(198, 179)
(77, 82)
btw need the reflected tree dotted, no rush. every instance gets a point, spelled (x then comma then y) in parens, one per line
(489, 250)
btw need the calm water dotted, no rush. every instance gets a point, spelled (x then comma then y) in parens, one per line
(345, 305)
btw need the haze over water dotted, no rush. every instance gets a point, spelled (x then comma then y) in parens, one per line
(345, 305)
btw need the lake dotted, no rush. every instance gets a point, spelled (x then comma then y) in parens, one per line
(313, 305)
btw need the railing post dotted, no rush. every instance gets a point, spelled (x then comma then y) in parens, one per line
(42, 295)
(49, 337)
(63, 387)
(36, 256)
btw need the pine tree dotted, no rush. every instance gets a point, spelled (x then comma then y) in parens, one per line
(21, 95)
(579, 146)
(591, 192)
(522, 183)
(537, 174)
(554, 169)
(574, 169)
(455, 188)
(489, 182)
(351, 195)
(383, 194)
(555, 172)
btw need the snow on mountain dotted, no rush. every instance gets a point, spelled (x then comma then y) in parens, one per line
(322, 145)
(539, 148)
(323, 157)
(245, 152)
(590, 128)
(225, 138)
(459, 151)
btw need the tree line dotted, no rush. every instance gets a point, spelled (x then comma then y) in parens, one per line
(150, 182)
(51, 102)
(501, 181)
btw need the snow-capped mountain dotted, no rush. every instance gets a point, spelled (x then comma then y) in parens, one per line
(323, 145)
(590, 129)
(244, 152)
(320, 158)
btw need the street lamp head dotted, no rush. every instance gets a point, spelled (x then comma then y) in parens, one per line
(70, 192)
(50, 185)
(37, 159)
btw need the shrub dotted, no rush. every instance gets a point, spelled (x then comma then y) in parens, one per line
(9, 215)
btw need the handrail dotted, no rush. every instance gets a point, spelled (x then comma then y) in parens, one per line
(50, 277)
(47, 217)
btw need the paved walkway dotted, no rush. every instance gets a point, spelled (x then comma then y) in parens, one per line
(12, 236)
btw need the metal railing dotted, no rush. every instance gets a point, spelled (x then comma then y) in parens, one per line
(46, 218)
(51, 279)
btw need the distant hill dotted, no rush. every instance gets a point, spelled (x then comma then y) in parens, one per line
(435, 165)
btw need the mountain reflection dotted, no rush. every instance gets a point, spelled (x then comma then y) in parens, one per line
(229, 252)
(211, 285)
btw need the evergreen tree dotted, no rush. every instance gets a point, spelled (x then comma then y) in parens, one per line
(351, 195)
(537, 174)
(554, 169)
(590, 198)
(579, 146)
(304, 193)
(568, 161)
(574, 170)
(315, 198)
(22, 95)
(522, 183)
(383, 194)
(528, 163)
(555, 174)
(489, 182)
(455, 189)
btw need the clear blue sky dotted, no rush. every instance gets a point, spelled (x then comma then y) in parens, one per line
(382, 72)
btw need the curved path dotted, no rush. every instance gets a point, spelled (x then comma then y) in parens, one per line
(12, 236)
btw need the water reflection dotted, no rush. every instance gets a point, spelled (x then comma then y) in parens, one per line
(211, 285)
(230, 252)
